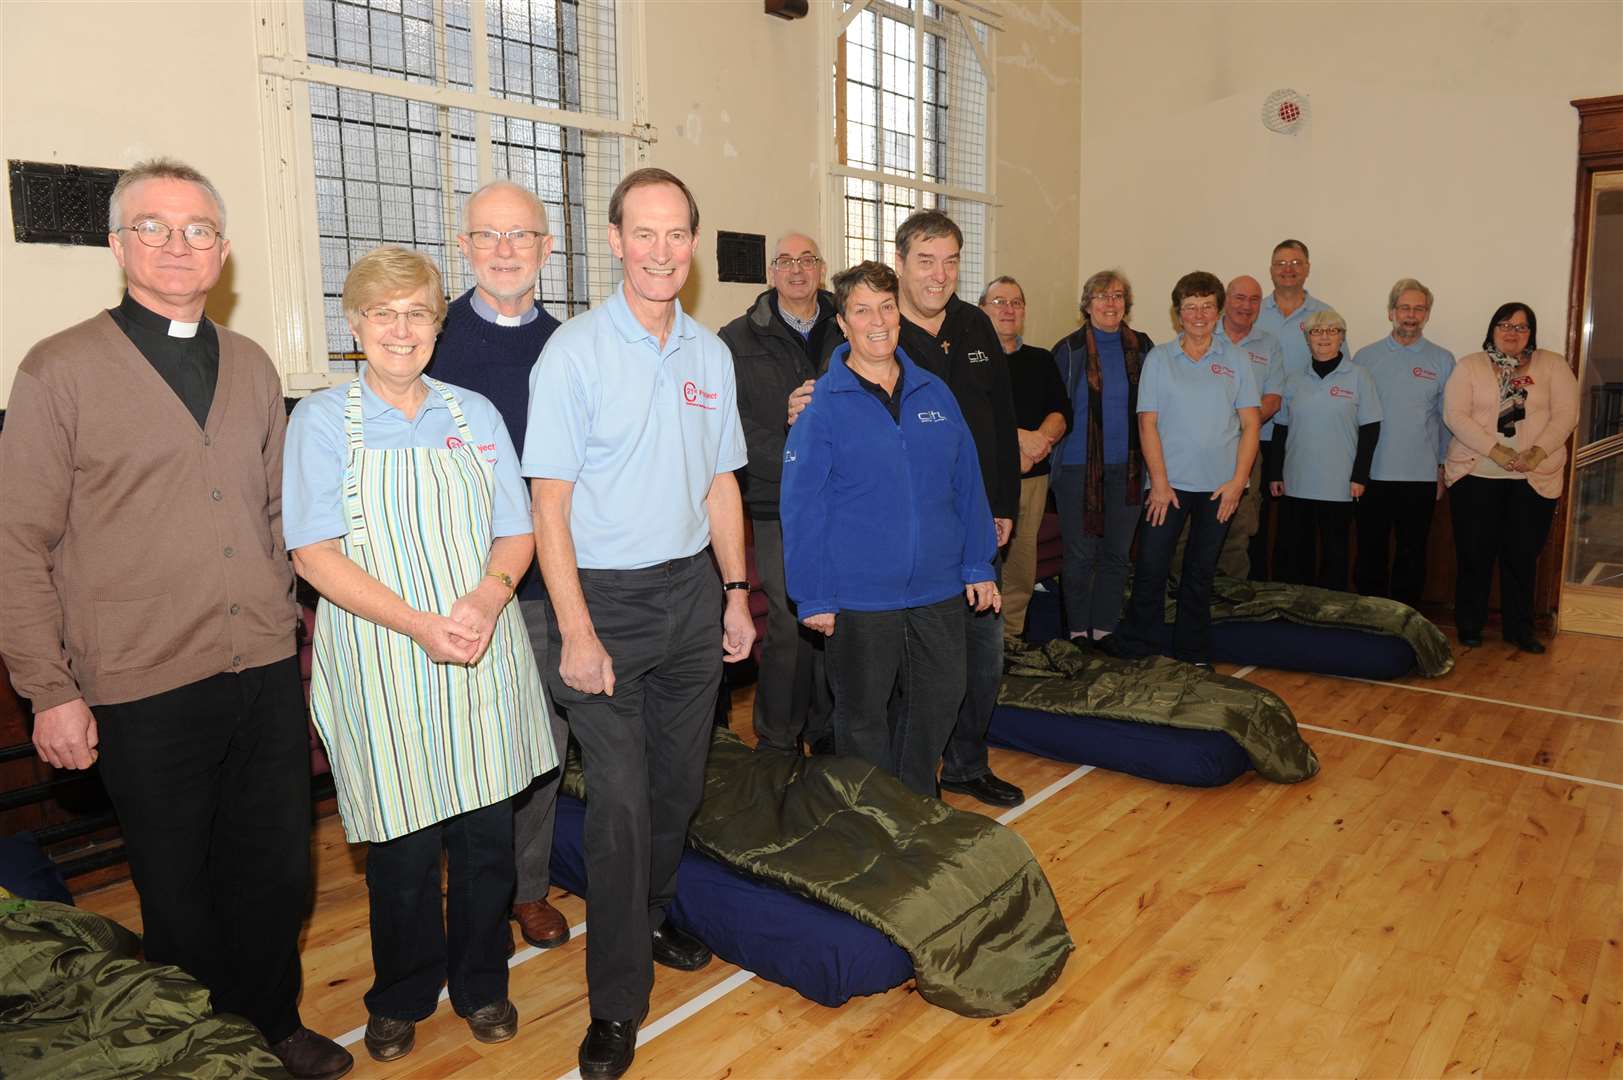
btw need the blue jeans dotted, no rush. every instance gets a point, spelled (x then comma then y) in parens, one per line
(1094, 576)
(1143, 632)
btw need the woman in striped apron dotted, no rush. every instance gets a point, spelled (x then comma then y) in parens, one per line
(403, 506)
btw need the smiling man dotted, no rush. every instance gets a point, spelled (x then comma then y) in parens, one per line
(632, 440)
(493, 335)
(146, 605)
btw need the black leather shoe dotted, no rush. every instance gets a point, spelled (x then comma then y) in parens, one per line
(307, 1055)
(388, 1038)
(608, 1048)
(1530, 644)
(988, 789)
(1471, 639)
(678, 950)
(494, 1023)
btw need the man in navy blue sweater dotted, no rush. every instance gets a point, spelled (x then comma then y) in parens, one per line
(493, 335)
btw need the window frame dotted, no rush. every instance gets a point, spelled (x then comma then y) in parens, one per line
(299, 346)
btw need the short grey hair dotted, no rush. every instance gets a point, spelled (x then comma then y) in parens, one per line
(1001, 279)
(787, 233)
(159, 168)
(1404, 285)
(1325, 317)
(1099, 282)
(525, 193)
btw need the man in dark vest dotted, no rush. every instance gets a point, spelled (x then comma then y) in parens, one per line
(493, 336)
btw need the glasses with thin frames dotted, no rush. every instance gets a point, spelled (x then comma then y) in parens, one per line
(1013, 303)
(1511, 327)
(805, 262)
(382, 315)
(1325, 331)
(199, 236)
(521, 239)
(1292, 264)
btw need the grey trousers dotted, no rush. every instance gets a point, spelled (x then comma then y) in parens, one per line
(533, 808)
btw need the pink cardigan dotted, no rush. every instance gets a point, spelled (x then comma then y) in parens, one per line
(1471, 410)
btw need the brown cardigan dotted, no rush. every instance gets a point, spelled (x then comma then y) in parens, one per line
(138, 552)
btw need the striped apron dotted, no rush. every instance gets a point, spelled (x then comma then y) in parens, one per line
(412, 741)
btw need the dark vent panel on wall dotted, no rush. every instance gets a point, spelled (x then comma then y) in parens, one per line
(741, 257)
(60, 204)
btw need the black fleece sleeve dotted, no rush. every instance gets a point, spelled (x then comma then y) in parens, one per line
(1273, 464)
(1057, 401)
(1005, 488)
(1368, 436)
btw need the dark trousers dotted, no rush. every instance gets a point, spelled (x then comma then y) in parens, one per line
(535, 809)
(1503, 520)
(1143, 631)
(917, 653)
(418, 944)
(1093, 577)
(1310, 547)
(211, 782)
(1267, 506)
(1403, 507)
(792, 698)
(643, 752)
(964, 757)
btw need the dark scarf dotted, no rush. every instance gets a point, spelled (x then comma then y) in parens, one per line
(1093, 491)
(1512, 389)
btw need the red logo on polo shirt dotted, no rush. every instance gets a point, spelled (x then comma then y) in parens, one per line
(693, 395)
(453, 443)
(1341, 391)
(1422, 373)
(1219, 369)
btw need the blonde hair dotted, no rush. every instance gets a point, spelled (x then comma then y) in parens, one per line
(1324, 317)
(387, 272)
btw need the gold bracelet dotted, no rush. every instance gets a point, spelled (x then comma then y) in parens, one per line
(505, 579)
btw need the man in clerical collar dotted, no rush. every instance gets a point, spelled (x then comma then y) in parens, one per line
(493, 335)
(146, 605)
(783, 341)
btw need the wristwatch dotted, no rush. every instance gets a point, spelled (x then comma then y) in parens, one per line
(728, 586)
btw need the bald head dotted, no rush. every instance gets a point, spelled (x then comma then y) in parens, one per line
(1243, 303)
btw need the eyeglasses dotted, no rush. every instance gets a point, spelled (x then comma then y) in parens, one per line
(1013, 304)
(1325, 331)
(805, 262)
(1511, 327)
(1289, 264)
(521, 239)
(154, 233)
(1197, 309)
(1115, 297)
(388, 316)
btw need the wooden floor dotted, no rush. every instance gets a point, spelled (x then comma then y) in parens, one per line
(1443, 899)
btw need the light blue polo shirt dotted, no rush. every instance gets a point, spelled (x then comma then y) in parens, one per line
(1195, 403)
(317, 453)
(1324, 416)
(641, 431)
(1409, 380)
(1267, 364)
(1288, 331)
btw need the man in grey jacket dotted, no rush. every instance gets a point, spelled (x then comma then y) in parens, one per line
(781, 342)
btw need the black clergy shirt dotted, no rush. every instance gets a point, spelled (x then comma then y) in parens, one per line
(190, 365)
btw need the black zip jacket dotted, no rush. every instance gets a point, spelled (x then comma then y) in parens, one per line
(769, 361)
(968, 357)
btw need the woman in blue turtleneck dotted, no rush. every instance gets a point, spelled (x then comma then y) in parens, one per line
(1098, 474)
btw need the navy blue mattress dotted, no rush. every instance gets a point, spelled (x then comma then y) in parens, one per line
(824, 954)
(1167, 755)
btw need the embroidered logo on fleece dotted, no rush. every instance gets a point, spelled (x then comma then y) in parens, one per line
(789, 457)
(976, 356)
(693, 395)
(931, 416)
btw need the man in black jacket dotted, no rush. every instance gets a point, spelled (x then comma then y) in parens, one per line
(780, 343)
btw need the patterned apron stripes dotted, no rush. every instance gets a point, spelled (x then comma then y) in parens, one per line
(411, 741)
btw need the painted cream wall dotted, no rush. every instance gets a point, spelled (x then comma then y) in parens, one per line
(100, 107)
(1441, 145)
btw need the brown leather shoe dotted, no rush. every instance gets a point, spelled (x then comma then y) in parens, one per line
(388, 1038)
(493, 1023)
(541, 924)
(309, 1056)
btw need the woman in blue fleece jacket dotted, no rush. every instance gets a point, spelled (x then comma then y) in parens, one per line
(886, 531)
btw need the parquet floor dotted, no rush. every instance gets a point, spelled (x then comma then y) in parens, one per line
(1443, 899)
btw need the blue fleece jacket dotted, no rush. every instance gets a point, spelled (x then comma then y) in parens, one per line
(880, 515)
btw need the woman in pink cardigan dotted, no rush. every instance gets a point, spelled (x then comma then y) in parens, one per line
(1511, 408)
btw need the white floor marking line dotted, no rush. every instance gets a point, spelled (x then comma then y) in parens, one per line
(1465, 757)
(1484, 700)
(1042, 796)
(529, 952)
(1243, 672)
(683, 1011)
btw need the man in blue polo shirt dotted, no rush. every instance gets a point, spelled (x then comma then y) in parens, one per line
(1282, 315)
(632, 441)
(1406, 477)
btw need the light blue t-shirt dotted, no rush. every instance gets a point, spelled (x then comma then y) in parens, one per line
(1409, 380)
(1267, 364)
(316, 455)
(641, 431)
(1288, 331)
(1196, 403)
(1324, 416)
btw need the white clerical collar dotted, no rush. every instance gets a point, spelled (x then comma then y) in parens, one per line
(488, 312)
(183, 329)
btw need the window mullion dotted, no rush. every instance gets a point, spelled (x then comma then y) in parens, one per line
(479, 42)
